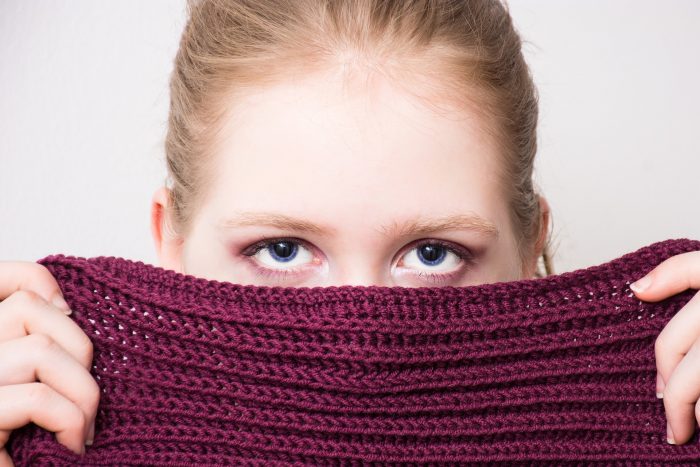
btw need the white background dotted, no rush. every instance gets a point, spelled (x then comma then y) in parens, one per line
(83, 111)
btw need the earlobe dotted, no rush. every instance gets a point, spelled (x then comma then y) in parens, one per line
(544, 230)
(531, 273)
(545, 212)
(167, 243)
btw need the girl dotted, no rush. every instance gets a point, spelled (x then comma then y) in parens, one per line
(318, 143)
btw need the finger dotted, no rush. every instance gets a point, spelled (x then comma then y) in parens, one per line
(676, 338)
(5, 460)
(25, 312)
(26, 275)
(674, 275)
(37, 356)
(38, 403)
(681, 393)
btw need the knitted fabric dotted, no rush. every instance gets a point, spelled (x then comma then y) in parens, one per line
(558, 370)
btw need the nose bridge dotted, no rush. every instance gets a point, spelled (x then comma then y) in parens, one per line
(359, 269)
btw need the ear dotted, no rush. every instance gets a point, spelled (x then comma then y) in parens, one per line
(168, 244)
(545, 212)
(541, 237)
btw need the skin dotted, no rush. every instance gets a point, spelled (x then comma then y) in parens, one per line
(362, 162)
(352, 162)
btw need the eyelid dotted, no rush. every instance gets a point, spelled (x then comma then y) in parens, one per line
(462, 252)
(265, 241)
(281, 273)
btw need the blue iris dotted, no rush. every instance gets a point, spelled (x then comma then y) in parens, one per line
(431, 254)
(283, 251)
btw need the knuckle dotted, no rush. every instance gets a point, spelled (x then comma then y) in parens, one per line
(39, 393)
(76, 420)
(670, 396)
(86, 348)
(73, 419)
(94, 395)
(25, 299)
(659, 345)
(41, 273)
(42, 342)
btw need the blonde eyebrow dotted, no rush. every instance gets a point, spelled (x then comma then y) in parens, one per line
(418, 226)
(270, 219)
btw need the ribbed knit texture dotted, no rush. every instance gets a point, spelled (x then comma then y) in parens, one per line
(558, 370)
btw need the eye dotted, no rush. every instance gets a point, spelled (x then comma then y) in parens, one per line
(284, 252)
(435, 256)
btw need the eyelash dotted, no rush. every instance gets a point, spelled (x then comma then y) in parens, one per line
(460, 252)
(264, 242)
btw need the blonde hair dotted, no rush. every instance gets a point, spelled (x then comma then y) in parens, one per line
(470, 48)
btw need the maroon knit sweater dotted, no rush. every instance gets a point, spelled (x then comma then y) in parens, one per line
(558, 370)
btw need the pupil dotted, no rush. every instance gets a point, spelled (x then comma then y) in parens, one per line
(431, 254)
(283, 251)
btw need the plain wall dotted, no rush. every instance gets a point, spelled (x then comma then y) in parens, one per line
(83, 112)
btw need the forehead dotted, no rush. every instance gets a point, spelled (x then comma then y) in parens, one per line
(321, 148)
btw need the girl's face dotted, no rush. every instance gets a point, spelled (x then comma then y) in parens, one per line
(317, 184)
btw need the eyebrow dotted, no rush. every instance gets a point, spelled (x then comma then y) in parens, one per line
(417, 226)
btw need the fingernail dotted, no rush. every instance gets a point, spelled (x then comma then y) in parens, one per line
(61, 303)
(659, 386)
(669, 434)
(641, 285)
(91, 434)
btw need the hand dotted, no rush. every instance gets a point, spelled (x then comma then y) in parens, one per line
(677, 348)
(38, 341)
